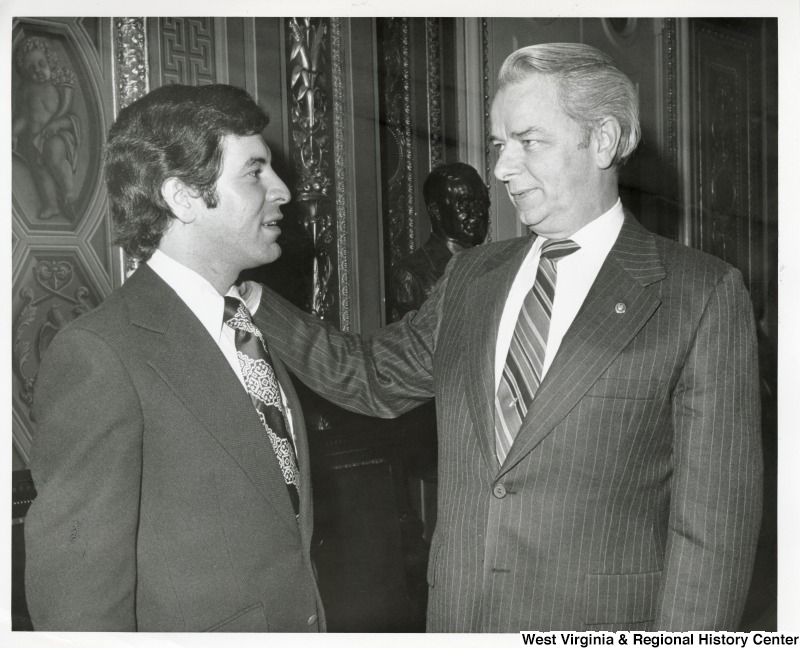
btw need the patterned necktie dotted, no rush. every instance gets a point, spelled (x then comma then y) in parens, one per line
(262, 385)
(522, 373)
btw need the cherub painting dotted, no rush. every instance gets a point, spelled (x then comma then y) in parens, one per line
(45, 131)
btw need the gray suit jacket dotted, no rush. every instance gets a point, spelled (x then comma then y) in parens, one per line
(160, 506)
(631, 497)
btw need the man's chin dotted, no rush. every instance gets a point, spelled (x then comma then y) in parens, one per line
(273, 254)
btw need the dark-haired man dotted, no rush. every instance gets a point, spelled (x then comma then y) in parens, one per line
(596, 387)
(170, 457)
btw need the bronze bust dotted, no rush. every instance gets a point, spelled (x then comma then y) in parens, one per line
(458, 206)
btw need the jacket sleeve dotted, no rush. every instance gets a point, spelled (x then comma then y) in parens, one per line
(384, 374)
(80, 532)
(715, 505)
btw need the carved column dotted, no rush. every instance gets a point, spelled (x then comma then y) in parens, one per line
(396, 119)
(130, 43)
(488, 169)
(433, 47)
(338, 82)
(310, 147)
(130, 60)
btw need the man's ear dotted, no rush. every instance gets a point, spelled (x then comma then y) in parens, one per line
(180, 199)
(606, 142)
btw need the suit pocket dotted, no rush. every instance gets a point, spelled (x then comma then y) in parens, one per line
(624, 389)
(250, 619)
(621, 598)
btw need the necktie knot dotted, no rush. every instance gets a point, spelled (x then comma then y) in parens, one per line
(231, 308)
(556, 249)
(237, 317)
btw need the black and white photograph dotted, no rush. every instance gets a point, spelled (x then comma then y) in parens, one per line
(402, 327)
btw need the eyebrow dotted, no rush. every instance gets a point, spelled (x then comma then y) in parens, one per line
(533, 130)
(254, 161)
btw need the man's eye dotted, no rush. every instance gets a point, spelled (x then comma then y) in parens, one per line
(499, 146)
(533, 143)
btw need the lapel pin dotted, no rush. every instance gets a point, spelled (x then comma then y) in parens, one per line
(620, 308)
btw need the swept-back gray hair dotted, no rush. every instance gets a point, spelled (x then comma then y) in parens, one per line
(590, 87)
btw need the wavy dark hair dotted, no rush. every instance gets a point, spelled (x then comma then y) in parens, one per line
(175, 131)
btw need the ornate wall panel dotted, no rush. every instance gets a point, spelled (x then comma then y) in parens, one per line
(487, 127)
(434, 81)
(62, 93)
(727, 177)
(730, 177)
(397, 170)
(131, 60)
(311, 149)
(417, 116)
(670, 62)
(185, 50)
(52, 287)
(338, 82)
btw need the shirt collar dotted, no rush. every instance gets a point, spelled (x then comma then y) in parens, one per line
(599, 235)
(198, 293)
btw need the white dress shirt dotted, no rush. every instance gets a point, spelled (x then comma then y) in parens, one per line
(575, 275)
(209, 306)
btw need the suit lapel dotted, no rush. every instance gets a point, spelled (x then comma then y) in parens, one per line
(196, 371)
(485, 301)
(598, 334)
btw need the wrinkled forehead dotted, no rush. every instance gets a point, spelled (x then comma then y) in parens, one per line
(524, 99)
(245, 146)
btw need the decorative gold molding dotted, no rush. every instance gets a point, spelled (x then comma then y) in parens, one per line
(434, 56)
(487, 104)
(131, 74)
(670, 39)
(131, 61)
(399, 210)
(340, 165)
(408, 134)
(310, 142)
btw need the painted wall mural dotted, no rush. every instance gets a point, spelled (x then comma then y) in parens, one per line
(46, 133)
(53, 166)
(62, 259)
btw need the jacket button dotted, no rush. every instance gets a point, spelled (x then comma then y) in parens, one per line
(312, 619)
(499, 491)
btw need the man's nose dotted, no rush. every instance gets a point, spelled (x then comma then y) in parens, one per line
(506, 165)
(277, 191)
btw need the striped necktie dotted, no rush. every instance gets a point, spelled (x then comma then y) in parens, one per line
(262, 385)
(522, 373)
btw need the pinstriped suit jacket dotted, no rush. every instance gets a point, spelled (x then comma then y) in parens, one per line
(631, 498)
